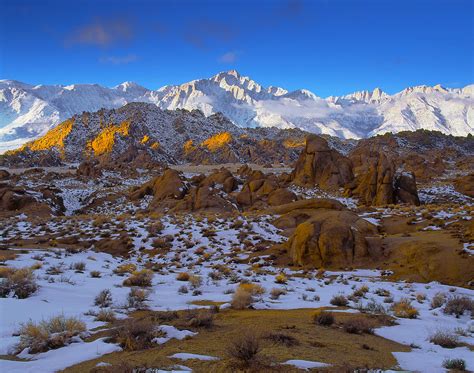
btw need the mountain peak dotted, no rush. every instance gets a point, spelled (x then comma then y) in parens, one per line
(128, 85)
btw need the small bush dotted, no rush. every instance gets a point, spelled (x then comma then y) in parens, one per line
(241, 299)
(103, 299)
(125, 268)
(323, 318)
(404, 309)
(20, 283)
(361, 291)
(195, 281)
(79, 266)
(49, 334)
(183, 289)
(455, 364)
(140, 278)
(253, 289)
(244, 349)
(358, 326)
(438, 300)
(444, 339)
(134, 335)
(95, 274)
(275, 293)
(202, 318)
(136, 298)
(281, 279)
(339, 301)
(183, 276)
(282, 339)
(457, 305)
(106, 316)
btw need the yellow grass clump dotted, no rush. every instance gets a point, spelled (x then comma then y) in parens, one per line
(188, 147)
(217, 141)
(104, 142)
(54, 138)
(145, 139)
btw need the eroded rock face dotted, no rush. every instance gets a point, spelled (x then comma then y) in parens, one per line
(331, 238)
(4, 175)
(260, 190)
(320, 165)
(16, 199)
(379, 183)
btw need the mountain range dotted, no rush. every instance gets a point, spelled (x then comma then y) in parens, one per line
(28, 112)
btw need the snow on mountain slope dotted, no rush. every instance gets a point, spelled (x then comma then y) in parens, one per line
(27, 111)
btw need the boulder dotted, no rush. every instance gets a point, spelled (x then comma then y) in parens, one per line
(320, 165)
(4, 175)
(332, 238)
(379, 183)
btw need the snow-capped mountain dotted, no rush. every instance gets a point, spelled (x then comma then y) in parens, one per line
(27, 111)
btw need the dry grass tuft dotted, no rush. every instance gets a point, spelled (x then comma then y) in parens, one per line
(404, 309)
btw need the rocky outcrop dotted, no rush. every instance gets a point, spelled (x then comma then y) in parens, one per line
(320, 165)
(331, 238)
(45, 201)
(379, 183)
(261, 190)
(4, 175)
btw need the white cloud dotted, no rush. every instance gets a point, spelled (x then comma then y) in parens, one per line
(229, 57)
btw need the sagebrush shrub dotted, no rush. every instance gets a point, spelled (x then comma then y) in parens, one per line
(49, 334)
(140, 278)
(339, 301)
(457, 305)
(444, 339)
(20, 283)
(103, 299)
(404, 309)
(244, 349)
(241, 299)
(455, 364)
(358, 326)
(323, 318)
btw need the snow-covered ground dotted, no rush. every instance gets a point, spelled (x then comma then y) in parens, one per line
(72, 293)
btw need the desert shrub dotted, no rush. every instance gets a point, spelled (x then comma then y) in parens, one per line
(382, 292)
(20, 283)
(36, 266)
(6, 271)
(125, 268)
(420, 297)
(134, 335)
(457, 305)
(55, 270)
(444, 339)
(275, 293)
(281, 278)
(139, 278)
(358, 326)
(49, 334)
(136, 298)
(339, 300)
(183, 289)
(282, 339)
(241, 299)
(183, 276)
(95, 274)
(361, 291)
(79, 266)
(373, 307)
(103, 299)
(323, 318)
(455, 364)
(404, 309)
(201, 318)
(105, 315)
(253, 289)
(195, 281)
(438, 300)
(244, 349)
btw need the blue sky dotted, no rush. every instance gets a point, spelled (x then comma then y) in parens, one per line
(331, 47)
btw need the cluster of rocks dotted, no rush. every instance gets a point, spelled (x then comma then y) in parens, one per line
(374, 177)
